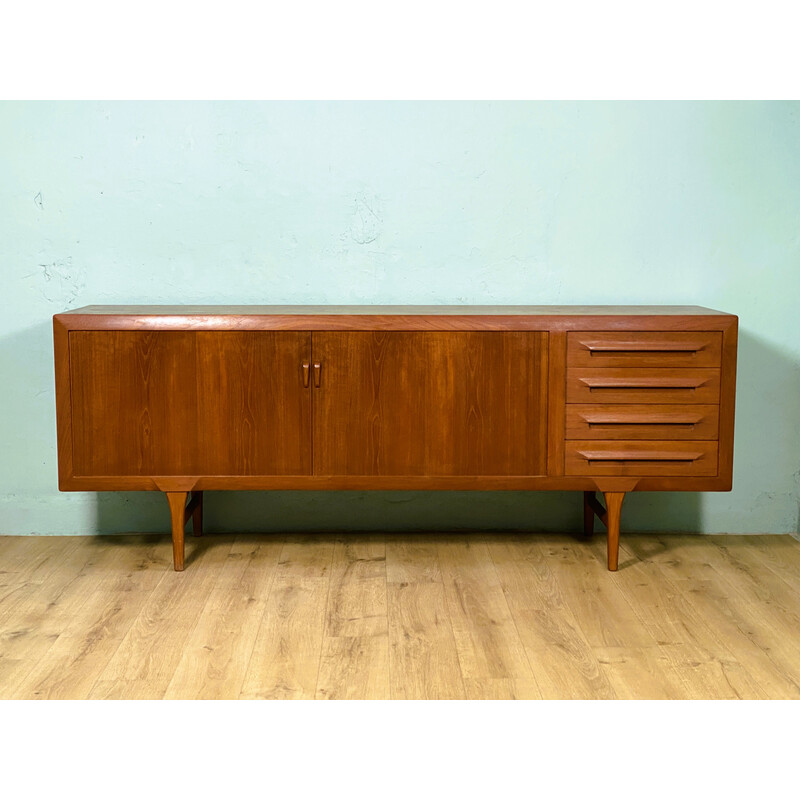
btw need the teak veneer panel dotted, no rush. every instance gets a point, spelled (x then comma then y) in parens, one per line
(646, 385)
(183, 399)
(642, 421)
(664, 349)
(190, 403)
(430, 403)
(641, 458)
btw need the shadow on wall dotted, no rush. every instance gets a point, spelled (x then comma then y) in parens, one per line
(764, 498)
(766, 466)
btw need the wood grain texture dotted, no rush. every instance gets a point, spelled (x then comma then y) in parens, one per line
(645, 385)
(487, 639)
(116, 587)
(497, 616)
(559, 655)
(578, 483)
(63, 393)
(430, 404)
(663, 349)
(642, 421)
(727, 402)
(355, 648)
(639, 458)
(285, 661)
(398, 318)
(253, 409)
(556, 400)
(723, 646)
(183, 403)
(145, 661)
(134, 403)
(423, 660)
(216, 655)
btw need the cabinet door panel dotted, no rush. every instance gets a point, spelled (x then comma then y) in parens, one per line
(190, 403)
(254, 411)
(430, 403)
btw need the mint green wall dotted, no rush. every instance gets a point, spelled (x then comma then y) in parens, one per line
(672, 203)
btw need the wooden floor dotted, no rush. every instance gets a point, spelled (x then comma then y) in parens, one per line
(400, 616)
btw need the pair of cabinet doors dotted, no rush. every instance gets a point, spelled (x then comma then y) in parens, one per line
(255, 402)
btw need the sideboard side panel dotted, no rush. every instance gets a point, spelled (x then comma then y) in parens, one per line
(63, 402)
(730, 338)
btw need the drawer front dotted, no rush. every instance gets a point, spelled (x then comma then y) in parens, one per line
(645, 385)
(686, 349)
(645, 421)
(640, 458)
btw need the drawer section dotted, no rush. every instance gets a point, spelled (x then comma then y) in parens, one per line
(642, 421)
(644, 349)
(645, 385)
(640, 458)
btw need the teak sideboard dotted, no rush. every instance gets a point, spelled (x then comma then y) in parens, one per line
(180, 399)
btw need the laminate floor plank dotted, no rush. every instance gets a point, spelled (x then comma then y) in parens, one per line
(782, 553)
(423, 660)
(354, 668)
(417, 616)
(720, 625)
(487, 639)
(124, 576)
(52, 563)
(40, 609)
(357, 589)
(631, 657)
(145, 661)
(216, 655)
(355, 649)
(502, 689)
(706, 665)
(561, 657)
(285, 661)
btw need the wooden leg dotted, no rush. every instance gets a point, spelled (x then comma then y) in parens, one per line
(177, 510)
(197, 514)
(613, 509)
(588, 514)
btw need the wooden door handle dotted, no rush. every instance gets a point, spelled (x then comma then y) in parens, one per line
(305, 374)
(317, 373)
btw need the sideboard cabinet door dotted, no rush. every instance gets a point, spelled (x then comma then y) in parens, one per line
(430, 403)
(190, 403)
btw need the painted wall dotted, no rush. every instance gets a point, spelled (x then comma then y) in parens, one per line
(673, 203)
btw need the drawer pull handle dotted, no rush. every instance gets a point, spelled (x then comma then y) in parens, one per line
(317, 373)
(604, 423)
(305, 374)
(595, 456)
(643, 383)
(642, 347)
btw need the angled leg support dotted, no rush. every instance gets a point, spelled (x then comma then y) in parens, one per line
(609, 516)
(196, 503)
(180, 513)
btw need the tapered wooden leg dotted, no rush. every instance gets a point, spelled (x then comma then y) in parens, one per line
(588, 514)
(197, 514)
(613, 511)
(177, 510)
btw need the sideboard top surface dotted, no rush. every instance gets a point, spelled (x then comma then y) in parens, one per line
(394, 318)
(378, 310)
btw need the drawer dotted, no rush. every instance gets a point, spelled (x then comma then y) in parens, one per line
(644, 349)
(640, 459)
(645, 421)
(647, 385)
